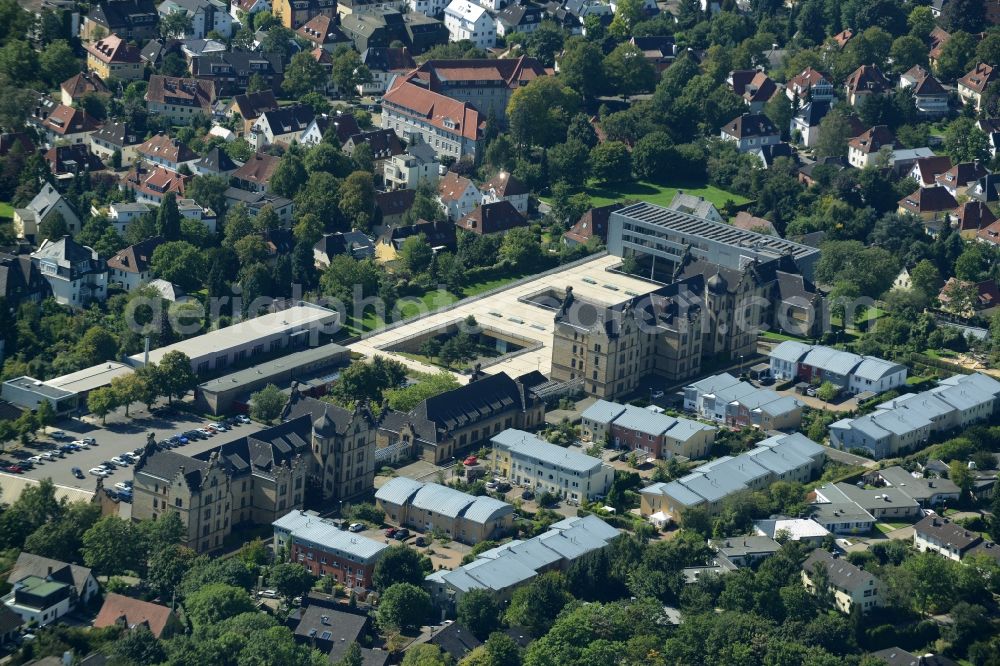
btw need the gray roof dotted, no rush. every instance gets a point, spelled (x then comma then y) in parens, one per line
(603, 411)
(527, 445)
(867, 499)
(790, 350)
(962, 396)
(839, 512)
(840, 573)
(485, 509)
(714, 383)
(29, 564)
(441, 500)
(398, 490)
(644, 421)
(876, 368)
(312, 529)
(745, 545)
(831, 360)
(692, 204)
(253, 374)
(918, 488)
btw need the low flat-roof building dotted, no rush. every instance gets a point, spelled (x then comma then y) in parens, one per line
(543, 467)
(504, 568)
(882, 503)
(434, 507)
(228, 392)
(327, 550)
(66, 393)
(297, 327)
(794, 529)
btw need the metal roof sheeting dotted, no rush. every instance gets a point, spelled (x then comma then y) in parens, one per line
(312, 529)
(527, 445)
(603, 411)
(398, 490)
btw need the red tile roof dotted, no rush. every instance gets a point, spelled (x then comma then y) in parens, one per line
(867, 78)
(179, 91)
(118, 608)
(873, 140)
(974, 216)
(493, 218)
(980, 77)
(506, 185)
(166, 148)
(113, 50)
(593, 223)
(155, 182)
(85, 82)
(451, 187)
(67, 120)
(514, 72)
(444, 113)
(806, 79)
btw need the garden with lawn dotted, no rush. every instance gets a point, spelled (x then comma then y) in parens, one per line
(603, 194)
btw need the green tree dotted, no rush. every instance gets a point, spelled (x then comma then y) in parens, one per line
(176, 24)
(521, 248)
(128, 389)
(352, 657)
(403, 607)
(96, 345)
(536, 605)
(61, 539)
(427, 386)
(610, 162)
(425, 654)
(479, 612)
(101, 402)
(964, 15)
(827, 391)
(267, 403)
(906, 52)
(570, 163)
(209, 191)
(214, 603)
(357, 199)
(400, 565)
(627, 69)
(347, 70)
(19, 62)
(834, 133)
(539, 113)
(289, 176)
(53, 227)
(179, 262)
(166, 568)
(111, 547)
(290, 579)
(173, 376)
(965, 142)
(303, 75)
(957, 55)
(416, 254)
(58, 62)
(138, 645)
(582, 67)
(926, 278)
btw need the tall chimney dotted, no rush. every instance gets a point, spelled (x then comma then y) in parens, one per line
(145, 353)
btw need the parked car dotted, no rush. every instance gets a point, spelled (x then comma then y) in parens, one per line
(269, 594)
(390, 531)
(109, 465)
(401, 534)
(220, 426)
(14, 469)
(36, 460)
(125, 496)
(119, 461)
(357, 527)
(58, 434)
(205, 432)
(503, 486)
(77, 472)
(527, 495)
(99, 471)
(420, 541)
(49, 455)
(82, 443)
(88, 440)
(243, 419)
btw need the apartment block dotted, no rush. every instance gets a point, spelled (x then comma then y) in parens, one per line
(534, 463)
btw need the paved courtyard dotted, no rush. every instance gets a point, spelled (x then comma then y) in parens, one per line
(590, 281)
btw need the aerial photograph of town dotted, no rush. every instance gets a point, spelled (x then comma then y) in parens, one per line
(500, 332)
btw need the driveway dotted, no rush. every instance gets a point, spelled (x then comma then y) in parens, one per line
(112, 440)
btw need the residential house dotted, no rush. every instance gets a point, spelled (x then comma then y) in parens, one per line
(986, 189)
(423, 32)
(179, 99)
(851, 588)
(466, 20)
(758, 91)
(384, 63)
(907, 422)
(972, 86)
(748, 222)
(256, 173)
(928, 203)
(248, 107)
(283, 126)
(848, 371)
(519, 17)
(780, 457)
(926, 169)
(352, 243)
(129, 613)
(695, 205)
(376, 26)
(115, 137)
(432, 507)
(391, 206)
(794, 529)
(256, 201)
(327, 550)
(384, 144)
(660, 437)
(990, 234)
(73, 89)
(123, 213)
(808, 86)
(331, 629)
(114, 58)
(41, 209)
(592, 224)
(966, 299)
(150, 185)
(596, 420)
(230, 72)
(929, 96)
(242, 11)
(534, 463)
(936, 534)
(750, 131)
(744, 551)
(492, 218)
(865, 81)
(133, 20)
(897, 656)
(937, 39)
(74, 272)
(67, 162)
(10, 625)
(407, 171)
(206, 16)
(343, 125)
(190, 209)
(45, 589)
(294, 13)
(323, 33)
(973, 217)
(165, 151)
(844, 517)
(505, 187)
(21, 281)
(66, 124)
(440, 235)
(864, 150)
(453, 128)
(805, 124)
(131, 268)
(927, 491)
(216, 162)
(959, 178)
(457, 194)
(660, 51)
(726, 399)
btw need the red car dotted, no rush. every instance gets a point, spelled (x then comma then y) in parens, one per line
(15, 469)
(389, 532)
(471, 460)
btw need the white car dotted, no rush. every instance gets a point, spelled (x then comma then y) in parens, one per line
(245, 420)
(121, 485)
(220, 427)
(82, 443)
(206, 432)
(357, 527)
(48, 455)
(99, 471)
(269, 594)
(38, 460)
(121, 462)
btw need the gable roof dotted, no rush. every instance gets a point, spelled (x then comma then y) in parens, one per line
(979, 77)
(29, 564)
(928, 200)
(72, 158)
(480, 398)
(506, 185)
(68, 120)
(83, 83)
(387, 59)
(866, 78)
(452, 186)
(593, 223)
(806, 79)
(181, 91)
(750, 125)
(132, 612)
(216, 160)
(493, 218)
(872, 140)
(252, 104)
(930, 167)
(321, 30)
(136, 258)
(258, 169)
(444, 113)
(166, 148)
(287, 119)
(974, 215)
(962, 174)
(840, 573)
(383, 142)
(113, 49)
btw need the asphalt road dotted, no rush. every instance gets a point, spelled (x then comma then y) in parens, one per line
(114, 440)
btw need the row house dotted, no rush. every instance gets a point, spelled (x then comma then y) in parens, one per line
(151, 185)
(325, 549)
(179, 99)
(230, 72)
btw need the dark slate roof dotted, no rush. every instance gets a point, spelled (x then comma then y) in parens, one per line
(9, 620)
(387, 58)
(29, 564)
(493, 218)
(166, 465)
(243, 63)
(455, 640)
(750, 124)
(299, 405)
(354, 243)
(253, 104)
(19, 278)
(813, 112)
(439, 234)
(216, 160)
(396, 202)
(840, 573)
(384, 142)
(119, 13)
(481, 398)
(897, 656)
(774, 151)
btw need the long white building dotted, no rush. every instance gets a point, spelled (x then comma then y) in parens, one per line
(534, 463)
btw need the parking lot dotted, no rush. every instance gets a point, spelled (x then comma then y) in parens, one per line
(112, 441)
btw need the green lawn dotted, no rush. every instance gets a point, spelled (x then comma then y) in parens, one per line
(6, 211)
(655, 193)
